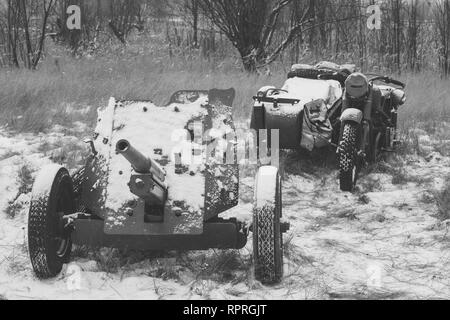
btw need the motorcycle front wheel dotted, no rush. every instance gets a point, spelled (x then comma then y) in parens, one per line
(348, 166)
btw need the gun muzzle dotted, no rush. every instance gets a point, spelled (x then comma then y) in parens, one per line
(139, 162)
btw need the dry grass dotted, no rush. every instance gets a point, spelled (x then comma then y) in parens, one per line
(396, 167)
(221, 266)
(25, 180)
(443, 202)
(33, 101)
(370, 184)
(9, 154)
(30, 101)
(70, 153)
(111, 260)
(15, 259)
(428, 101)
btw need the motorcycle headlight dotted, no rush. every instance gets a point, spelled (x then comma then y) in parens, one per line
(399, 97)
(262, 93)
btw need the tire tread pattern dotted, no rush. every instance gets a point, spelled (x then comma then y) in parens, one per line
(268, 241)
(265, 265)
(41, 230)
(39, 237)
(347, 156)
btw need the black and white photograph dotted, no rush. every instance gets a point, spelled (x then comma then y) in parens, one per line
(247, 151)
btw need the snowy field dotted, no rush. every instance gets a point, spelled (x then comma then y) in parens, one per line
(386, 241)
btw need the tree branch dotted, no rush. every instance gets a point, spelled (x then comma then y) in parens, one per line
(293, 32)
(269, 27)
(37, 56)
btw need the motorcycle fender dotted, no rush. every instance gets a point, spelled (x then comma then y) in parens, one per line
(353, 115)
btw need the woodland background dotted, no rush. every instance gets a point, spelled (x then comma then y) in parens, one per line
(149, 48)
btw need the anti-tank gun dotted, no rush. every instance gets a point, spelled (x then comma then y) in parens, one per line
(131, 193)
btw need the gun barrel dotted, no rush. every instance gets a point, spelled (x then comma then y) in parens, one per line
(139, 162)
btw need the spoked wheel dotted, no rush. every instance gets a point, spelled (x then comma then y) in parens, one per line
(348, 162)
(49, 240)
(267, 231)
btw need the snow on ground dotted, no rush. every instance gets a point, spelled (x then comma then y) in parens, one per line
(384, 241)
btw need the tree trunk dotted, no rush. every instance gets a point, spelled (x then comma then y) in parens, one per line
(195, 14)
(40, 48)
(24, 17)
(12, 33)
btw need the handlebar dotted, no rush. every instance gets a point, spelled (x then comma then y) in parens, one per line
(276, 101)
(397, 83)
(388, 80)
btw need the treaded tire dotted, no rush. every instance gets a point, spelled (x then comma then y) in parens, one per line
(267, 235)
(49, 245)
(347, 158)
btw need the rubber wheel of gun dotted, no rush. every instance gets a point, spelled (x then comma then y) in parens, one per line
(267, 234)
(348, 166)
(49, 241)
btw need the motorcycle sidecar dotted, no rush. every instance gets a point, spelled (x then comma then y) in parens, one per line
(306, 110)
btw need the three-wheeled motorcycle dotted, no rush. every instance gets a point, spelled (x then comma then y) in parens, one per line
(308, 114)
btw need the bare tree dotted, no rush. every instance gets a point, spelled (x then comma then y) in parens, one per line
(125, 16)
(396, 12)
(192, 9)
(413, 29)
(250, 25)
(37, 53)
(26, 36)
(13, 32)
(119, 17)
(442, 13)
